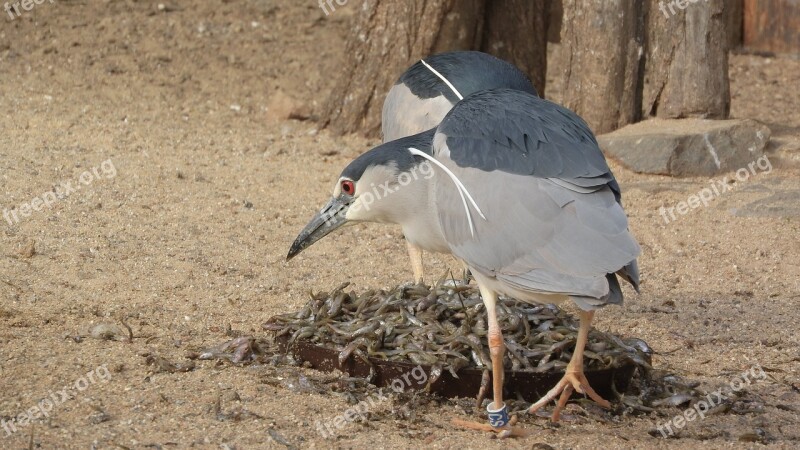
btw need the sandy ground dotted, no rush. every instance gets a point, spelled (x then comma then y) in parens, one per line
(195, 191)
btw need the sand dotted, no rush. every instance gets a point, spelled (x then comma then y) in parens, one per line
(197, 184)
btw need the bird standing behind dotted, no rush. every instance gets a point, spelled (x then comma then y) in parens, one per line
(429, 89)
(522, 195)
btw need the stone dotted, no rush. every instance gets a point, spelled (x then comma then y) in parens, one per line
(687, 147)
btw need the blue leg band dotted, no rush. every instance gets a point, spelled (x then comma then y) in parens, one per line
(498, 418)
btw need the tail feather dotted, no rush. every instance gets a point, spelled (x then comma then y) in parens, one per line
(630, 273)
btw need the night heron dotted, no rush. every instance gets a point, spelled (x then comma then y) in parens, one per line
(521, 194)
(429, 89)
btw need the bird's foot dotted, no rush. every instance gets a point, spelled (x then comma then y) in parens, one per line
(574, 380)
(506, 431)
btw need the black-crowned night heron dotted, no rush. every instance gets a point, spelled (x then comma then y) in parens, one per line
(520, 192)
(427, 91)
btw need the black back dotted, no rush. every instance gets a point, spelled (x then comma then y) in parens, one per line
(468, 71)
(519, 133)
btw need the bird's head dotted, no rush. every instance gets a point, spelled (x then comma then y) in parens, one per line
(381, 185)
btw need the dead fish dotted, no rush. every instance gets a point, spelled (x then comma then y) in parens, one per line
(635, 403)
(273, 326)
(454, 365)
(485, 381)
(674, 400)
(242, 352)
(447, 326)
(433, 376)
(642, 347)
(349, 349)
(427, 302)
(421, 358)
(336, 305)
(302, 333)
(517, 354)
(454, 354)
(366, 329)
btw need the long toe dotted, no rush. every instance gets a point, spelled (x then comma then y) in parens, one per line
(572, 381)
(586, 389)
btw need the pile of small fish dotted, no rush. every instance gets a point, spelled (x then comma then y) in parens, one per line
(444, 327)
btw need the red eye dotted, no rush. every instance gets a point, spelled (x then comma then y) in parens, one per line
(348, 187)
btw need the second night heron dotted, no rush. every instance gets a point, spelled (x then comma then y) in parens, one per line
(429, 89)
(521, 194)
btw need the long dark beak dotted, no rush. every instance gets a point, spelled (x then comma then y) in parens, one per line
(324, 222)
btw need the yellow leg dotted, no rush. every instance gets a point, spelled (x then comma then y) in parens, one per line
(467, 273)
(497, 348)
(415, 253)
(574, 378)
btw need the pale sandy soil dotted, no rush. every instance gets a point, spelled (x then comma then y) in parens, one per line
(189, 239)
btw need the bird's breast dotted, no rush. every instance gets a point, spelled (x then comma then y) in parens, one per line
(426, 235)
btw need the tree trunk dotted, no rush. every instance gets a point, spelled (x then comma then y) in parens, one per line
(391, 35)
(686, 74)
(734, 23)
(772, 26)
(602, 41)
(387, 38)
(624, 58)
(516, 31)
(554, 21)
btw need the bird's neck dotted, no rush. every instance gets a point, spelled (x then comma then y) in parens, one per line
(417, 216)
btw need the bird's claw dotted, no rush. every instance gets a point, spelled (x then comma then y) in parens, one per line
(500, 433)
(574, 380)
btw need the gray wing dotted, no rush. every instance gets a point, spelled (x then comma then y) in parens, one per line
(506, 130)
(405, 114)
(553, 223)
(419, 100)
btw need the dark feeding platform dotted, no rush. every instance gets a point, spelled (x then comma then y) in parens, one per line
(383, 336)
(530, 386)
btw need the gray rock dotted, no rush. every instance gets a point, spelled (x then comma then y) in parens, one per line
(687, 147)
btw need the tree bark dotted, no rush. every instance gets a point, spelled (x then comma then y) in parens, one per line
(554, 21)
(625, 59)
(388, 37)
(734, 22)
(772, 26)
(516, 31)
(602, 41)
(686, 74)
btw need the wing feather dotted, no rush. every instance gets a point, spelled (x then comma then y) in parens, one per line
(554, 223)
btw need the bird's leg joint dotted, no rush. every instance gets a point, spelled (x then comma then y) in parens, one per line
(496, 346)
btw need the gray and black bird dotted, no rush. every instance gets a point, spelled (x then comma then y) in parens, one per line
(429, 89)
(521, 194)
